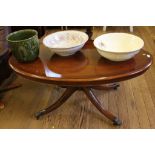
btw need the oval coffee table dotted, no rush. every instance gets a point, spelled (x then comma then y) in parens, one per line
(85, 70)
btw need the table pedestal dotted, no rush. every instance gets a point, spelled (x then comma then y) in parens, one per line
(91, 96)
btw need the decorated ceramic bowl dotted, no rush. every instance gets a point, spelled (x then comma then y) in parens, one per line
(118, 46)
(24, 44)
(65, 43)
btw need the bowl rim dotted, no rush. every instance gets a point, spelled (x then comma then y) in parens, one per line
(15, 32)
(118, 52)
(81, 32)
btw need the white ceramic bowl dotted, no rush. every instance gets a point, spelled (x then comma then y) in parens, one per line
(65, 43)
(118, 46)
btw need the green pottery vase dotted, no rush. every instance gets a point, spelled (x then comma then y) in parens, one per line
(24, 44)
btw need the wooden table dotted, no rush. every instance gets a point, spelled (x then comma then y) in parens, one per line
(86, 70)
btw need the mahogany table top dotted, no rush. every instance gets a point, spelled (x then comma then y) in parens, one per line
(86, 67)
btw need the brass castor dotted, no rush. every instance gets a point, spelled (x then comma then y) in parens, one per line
(39, 114)
(117, 121)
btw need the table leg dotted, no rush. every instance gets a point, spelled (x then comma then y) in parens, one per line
(97, 104)
(88, 91)
(12, 86)
(68, 92)
(7, 88)
(107, 86)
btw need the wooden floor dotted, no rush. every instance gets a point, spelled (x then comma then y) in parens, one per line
(133, 102)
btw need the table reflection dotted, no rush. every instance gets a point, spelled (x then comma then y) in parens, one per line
(58, 66)
(45, 56)
(112, 68)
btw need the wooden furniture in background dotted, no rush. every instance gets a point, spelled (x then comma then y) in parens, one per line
(40, 29)
(83, 71)
(5, 70)
(130, 28)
